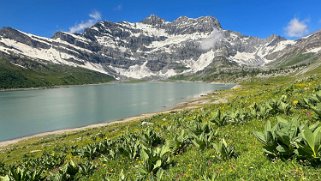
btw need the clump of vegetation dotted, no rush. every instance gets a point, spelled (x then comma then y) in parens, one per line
(155, 160)
(223, 151)
(280, 140)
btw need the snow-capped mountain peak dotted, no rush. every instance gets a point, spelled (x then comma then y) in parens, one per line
(150, 48)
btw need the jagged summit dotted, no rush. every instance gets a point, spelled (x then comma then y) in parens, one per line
(210, 20)
(182, 19)
(153, 20)
(184, 24)
(274, 39)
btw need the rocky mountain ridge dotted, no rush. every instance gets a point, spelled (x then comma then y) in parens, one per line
(154, 48)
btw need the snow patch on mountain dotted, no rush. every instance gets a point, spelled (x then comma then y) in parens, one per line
(243, 57)
(202, 62)
(142, 71)
(314, 50)
(149, 30)
(51, 55)
(283, 44)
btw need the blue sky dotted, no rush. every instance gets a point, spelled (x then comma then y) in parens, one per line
(288, 18)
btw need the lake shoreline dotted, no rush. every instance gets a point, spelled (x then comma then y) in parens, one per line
(95, 84)
(56, 87)
(192, 103)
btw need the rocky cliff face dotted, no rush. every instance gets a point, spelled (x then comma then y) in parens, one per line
(153, 48)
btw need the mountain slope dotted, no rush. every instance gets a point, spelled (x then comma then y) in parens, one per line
(155, 48)
(305, 51)
(16, 76)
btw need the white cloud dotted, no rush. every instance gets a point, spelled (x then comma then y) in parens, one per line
(297, 28)
(94, 17)
(212, 40)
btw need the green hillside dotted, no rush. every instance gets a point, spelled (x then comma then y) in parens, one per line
(41, 75)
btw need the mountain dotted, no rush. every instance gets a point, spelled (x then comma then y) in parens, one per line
(156, 49)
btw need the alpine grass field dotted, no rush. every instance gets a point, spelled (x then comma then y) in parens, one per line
(269, 129)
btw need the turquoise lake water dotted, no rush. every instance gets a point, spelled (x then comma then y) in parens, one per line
(25, 113)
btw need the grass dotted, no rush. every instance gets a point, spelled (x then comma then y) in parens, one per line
(193, 163)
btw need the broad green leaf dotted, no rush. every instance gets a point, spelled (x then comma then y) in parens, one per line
(224, 142)
(5, 178)
(159, 174)
(317, 137)
(158, 164)
(281, 149)
(144, 155)
(309, 138)
(260, 136)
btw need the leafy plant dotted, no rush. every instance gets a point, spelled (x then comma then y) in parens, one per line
(86, 168)
(311, 102)
(310, 146)
(202, 135)
(89, 151)
(96, 149)
(151, 138)
(281, 140)
(155, 160)
(46, 161)
(106, 147)
(179, 142)
(3, 169)
(260, 112)
(220, 119)
(130, 147)
(204, 140)
(255, 110)
(21, 174)
(198, 128)
(238, 117)
(67, 172)
(285, 108)
(317, 110)
(273, 107)
(223, 151)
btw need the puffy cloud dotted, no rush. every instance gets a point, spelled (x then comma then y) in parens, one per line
(93, 18)
(212, 40)
(297, 28)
